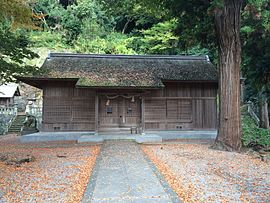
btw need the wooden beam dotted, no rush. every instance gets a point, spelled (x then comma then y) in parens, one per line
(192, 98)
(143, 115)
(43, 110)
(96, 114)
(169, 121)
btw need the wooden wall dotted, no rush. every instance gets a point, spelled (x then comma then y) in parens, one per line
(182, 106)
(179, 106)
(6, 102)
(68, 109)
(120, 116)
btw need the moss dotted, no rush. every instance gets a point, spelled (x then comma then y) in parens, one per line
(87, 82)
(135, 71)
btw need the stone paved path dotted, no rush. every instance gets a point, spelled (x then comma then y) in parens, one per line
(124, 175)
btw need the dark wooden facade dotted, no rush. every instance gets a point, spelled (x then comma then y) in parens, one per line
(95, 92)
(6, 101)
(66, 108)
(177, 106)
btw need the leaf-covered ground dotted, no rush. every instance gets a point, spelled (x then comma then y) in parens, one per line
(60, 172)
(200, 174)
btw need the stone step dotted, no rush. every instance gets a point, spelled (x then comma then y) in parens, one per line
(107, 129)
(17, 124)
(54, 136)
(141, 139)
(149, 139)
(13, 128)
(116, 131)
(90, 139)
(18, 121)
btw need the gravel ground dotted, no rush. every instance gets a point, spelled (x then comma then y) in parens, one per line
(60, 172)
(200, 174)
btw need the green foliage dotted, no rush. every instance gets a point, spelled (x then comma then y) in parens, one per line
(73, 20)
(256, 48)
(97, 45)
(72, 26)
(14, 51)
(160, 39)
(84, 18)
(216, 4)
(51, 40)
(50, 13)
(119, 44)
(196, 23)
(253, 135)
(114, 43)
(17, 12)
(196, 51)
(91, 30)
(91, 26)
(130, 15)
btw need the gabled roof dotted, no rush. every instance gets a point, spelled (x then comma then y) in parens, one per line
(9, 90)
(92, 70)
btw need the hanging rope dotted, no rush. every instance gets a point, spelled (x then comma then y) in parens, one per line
(113, 97)
(126, 97)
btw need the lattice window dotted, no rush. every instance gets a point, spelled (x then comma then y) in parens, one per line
(109, 109)
(57, 109)
(155, 109)
(185, 109)
(179, 109)
(83, 109)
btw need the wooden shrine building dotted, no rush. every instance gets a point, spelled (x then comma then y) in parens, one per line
(8, 92)
(104, 93)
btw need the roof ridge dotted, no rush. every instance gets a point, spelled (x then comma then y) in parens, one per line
(174, 57)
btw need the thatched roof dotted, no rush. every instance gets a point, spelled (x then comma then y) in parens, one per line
(93, 70)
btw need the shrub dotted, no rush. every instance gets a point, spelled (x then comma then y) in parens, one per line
(51, 40)
(253, 136)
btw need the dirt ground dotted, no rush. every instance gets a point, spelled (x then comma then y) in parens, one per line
(59, 173)
(200, 174)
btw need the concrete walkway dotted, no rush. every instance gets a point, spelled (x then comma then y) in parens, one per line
(90, 136)
(124, 175)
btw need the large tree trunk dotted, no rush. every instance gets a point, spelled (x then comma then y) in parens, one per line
(227, 23)
(264, 119)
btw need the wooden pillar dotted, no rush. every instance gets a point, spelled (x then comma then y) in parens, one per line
(122, 111)
(43, 110)
(143, 115)
(96, 114)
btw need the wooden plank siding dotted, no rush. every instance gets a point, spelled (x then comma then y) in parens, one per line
(182, 106)
(68, 109)
(124, 113)
(178, 106)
